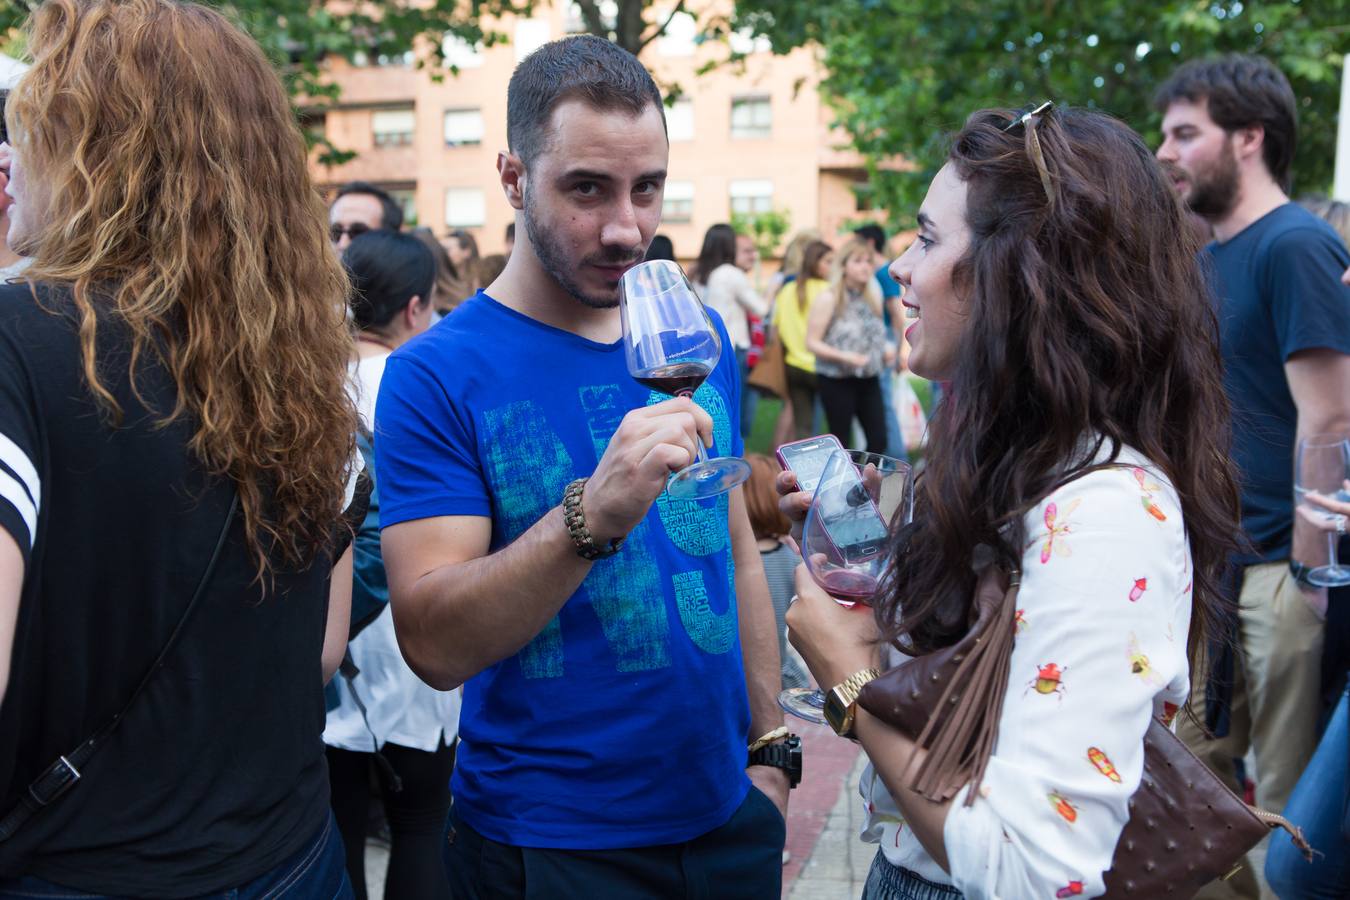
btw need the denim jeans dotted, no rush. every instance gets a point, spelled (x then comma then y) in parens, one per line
(316, 872)
(890, 882)
(1318, 806)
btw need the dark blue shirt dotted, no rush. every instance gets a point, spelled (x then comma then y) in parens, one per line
(1280, 292)
(624, 722)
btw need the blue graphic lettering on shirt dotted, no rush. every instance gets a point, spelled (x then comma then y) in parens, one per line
(528, 468)
(625, 590)
(699, 527)
(711, 631)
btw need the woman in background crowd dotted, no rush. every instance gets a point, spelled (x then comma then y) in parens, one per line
(463, 252)
(727, 289)
(845, 333)
(771, 527)
(789, 270)
(179, 440)
(661, 247)
(388, 726)
(790, 312)
(444, 287)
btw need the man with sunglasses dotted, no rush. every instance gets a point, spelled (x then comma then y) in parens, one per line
(360, 207)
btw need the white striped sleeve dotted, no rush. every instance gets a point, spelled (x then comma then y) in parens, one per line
(20, 478)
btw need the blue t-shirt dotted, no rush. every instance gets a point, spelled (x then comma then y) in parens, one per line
(1279, 284)
(624, 722)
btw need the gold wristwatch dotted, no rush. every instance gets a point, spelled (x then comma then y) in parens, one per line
(841, 702)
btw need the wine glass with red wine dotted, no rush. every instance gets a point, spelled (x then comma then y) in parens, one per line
(671, 347)
(860, 500)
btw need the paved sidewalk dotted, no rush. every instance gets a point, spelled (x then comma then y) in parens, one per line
(828, 861)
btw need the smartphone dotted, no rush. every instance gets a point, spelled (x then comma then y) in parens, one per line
(851, 519)
(806, 459)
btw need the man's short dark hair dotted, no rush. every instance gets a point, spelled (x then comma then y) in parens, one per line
(1241, 90)
(391, 217)
(873, 234)
(582, 67)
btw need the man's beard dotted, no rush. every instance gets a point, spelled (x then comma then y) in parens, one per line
(1214, 189)
(554, 260)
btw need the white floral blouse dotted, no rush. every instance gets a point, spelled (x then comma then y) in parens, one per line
(1102, 620)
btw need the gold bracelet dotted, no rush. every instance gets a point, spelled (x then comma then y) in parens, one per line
(776, 735)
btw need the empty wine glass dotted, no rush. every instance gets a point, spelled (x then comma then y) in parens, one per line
(1322, 467)
(847, 539)
(671, 347)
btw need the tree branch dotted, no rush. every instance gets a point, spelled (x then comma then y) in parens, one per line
(679, 8)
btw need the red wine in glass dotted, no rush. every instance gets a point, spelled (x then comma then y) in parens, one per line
(679, 379)
(671, 346)
(846, 539)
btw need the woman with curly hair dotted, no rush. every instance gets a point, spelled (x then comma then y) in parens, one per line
(176, 446)
(1083, 444)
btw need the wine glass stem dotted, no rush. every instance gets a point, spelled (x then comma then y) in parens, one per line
(1332, 540)
(702, 455)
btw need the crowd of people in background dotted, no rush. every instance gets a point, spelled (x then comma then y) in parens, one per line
(311, 535)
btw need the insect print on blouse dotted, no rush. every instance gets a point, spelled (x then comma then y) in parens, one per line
(1139, 663)
(1102, 763)
(1066, 810)
(1072, 889)
(1053, 531)
(1048, 680)
(1148, 489)
(1020, 623)
(1170, 711)
(1140, 585)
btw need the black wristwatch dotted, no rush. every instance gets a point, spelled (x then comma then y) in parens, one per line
(785, 755)
(1299, 572)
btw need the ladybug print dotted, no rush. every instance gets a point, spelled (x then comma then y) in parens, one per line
(1072, 889)
(1140, 585)
(1049, 680)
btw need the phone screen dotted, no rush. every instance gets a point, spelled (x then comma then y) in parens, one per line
(852, 520)
(807, 459)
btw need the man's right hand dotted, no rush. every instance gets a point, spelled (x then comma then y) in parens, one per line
(649, 445)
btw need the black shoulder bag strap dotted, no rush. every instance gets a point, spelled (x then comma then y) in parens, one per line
(61, 775)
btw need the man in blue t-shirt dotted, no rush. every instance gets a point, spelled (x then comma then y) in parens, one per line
(1229, 133)
(620, 660)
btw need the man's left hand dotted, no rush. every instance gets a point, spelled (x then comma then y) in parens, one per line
(773, 783)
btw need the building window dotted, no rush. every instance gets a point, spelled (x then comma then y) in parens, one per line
(680, 37)
(531, 34)
(751, 196)
(406, 198)
(460, 54)
(463, 127)
(680, 120)
(678, 205)
(465, 208)
(751, 117)
(393, 127)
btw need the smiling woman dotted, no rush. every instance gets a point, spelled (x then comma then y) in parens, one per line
(1082, 445)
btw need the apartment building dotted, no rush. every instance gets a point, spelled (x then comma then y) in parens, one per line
(743, 138)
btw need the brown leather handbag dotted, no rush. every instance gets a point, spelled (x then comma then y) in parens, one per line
(1186, 828)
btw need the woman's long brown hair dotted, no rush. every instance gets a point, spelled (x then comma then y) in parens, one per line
(1088, 315)
(180, 202)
